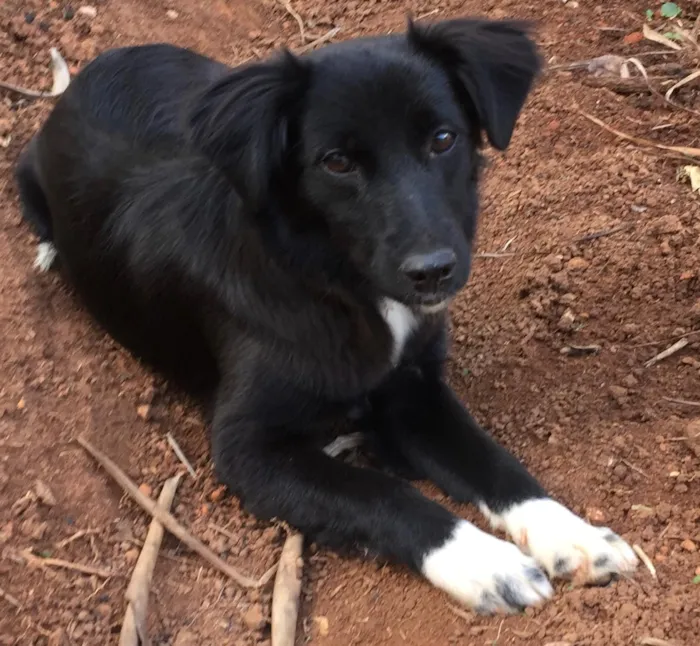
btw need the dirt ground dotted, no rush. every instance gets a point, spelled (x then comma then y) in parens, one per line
(597, 428)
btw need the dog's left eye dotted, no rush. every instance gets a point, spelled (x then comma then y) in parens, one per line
(442, 141)
(338, 163)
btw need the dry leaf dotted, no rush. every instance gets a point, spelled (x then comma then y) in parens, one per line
(655, 36)
(681, 83)
(693, 175)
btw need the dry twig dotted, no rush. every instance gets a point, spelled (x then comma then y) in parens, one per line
(79, 534)
(682, 402)
(320, 40)
(678, 345)
(180, 455)
(33, 559)
(61, 80)
(134, 627)
(655, 641)
(285, 596)
(293, 13)
(10, 599)
(603, 234)
(645, 559)
(170, 523)
(683, 150)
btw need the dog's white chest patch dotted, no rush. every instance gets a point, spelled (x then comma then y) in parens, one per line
(401, 321)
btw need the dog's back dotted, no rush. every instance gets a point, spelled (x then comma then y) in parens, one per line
(95, 182)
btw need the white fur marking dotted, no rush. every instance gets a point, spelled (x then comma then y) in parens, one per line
(401, 321)
(484, 572)
(45, 255)
(561, 542)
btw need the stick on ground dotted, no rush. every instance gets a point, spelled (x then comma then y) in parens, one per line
(285, 595)
(170, 523)
(10, 599)
(39, 561)
(61, 80)
(678, 345)
(134, 627)
(181, 455)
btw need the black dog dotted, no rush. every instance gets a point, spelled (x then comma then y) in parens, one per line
(285, 237)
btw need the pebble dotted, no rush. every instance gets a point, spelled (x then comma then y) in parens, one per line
(630, 381)
(689, 546)
(577, 264)
(88, 11)
(171, 14)
(144, 411)
(186, 638)
(253, 618)
(567, 320)
(131, 556)
(146, 489)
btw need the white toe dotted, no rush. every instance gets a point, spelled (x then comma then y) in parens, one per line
(45, 255)
(564, 544)
(485, 573)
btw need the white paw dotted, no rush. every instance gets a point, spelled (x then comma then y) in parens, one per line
(564, 544)
(486, 573)
(45, 255)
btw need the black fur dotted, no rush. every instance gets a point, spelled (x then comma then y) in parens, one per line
(192, 211)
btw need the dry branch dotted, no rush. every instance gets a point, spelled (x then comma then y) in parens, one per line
(134, 627)
(10, 599)
(285, 596)
(678, 345)
(181, 455)
(290, 10)
(683, 150)
(33, 559)
(61, 80)
(170, 523)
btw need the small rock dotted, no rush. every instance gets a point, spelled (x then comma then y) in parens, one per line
(648, 533)
(217, 494)
(567, 320)
(630, 381)
(577, 264)
(618, 392)
(689, 546)
(172, 14)
(620, 470)
(21, 404)
(88, 11)
(29, 17)
(144, 411)
(6, 532)
(186, 638)
(663, 511)
(146, 489)
(253, 618)
(668, 224)
(595, 515)
(44, 494)
(627, 610)
(68, 13)
(665, 248)
(322, 623)
(131, 556)
(103, 610)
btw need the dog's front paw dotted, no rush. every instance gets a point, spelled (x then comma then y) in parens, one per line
(566, 545)
(485, 573)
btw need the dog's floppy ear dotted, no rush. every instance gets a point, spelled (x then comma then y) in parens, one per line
(492, 65)
(242, 122)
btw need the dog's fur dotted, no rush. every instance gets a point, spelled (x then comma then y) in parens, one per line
(284, 237)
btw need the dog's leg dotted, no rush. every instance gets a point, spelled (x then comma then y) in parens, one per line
(278, 473)
(437, 436)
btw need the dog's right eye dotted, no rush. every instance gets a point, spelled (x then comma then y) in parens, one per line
(338, 162)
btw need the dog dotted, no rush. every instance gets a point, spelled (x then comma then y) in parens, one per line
(284, 238)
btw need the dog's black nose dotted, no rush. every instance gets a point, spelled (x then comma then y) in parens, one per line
(428, 271)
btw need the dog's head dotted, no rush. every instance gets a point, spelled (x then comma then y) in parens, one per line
(365, 153)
